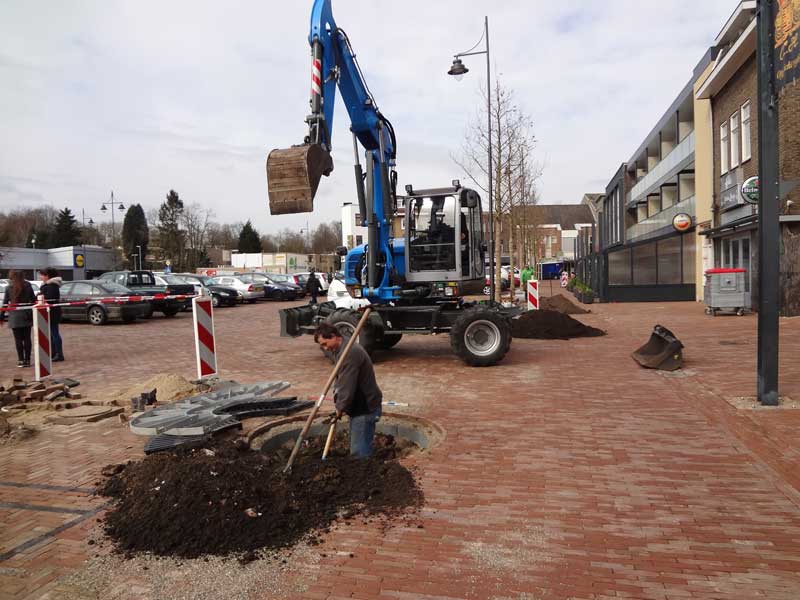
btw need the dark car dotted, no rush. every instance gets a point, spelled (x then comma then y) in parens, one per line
(220, 295)
(284, 279)
(98, 310)
(144, 283)
(272, 289)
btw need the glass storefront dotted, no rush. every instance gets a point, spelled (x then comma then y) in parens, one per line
(670, 261)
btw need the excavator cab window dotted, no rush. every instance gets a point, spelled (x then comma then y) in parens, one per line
(432, 234)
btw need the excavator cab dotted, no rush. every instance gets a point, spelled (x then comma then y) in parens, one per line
(444, 237)
(293, 176)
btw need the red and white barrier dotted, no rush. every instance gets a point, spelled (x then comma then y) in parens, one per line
(533, 294)
(205, 346)
(43, 361)
(111, 300)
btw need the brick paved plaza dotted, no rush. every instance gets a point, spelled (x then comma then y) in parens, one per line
(566, 472)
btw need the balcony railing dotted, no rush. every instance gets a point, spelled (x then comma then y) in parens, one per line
(654, 225)
(673, 163)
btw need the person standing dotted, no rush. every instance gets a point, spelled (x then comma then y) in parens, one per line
(313, 286)
(356, 393)
(51, 284)
(525, 276)
(20, 291)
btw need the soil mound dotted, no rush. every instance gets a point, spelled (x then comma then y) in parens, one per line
(550, 325)
(221, 500)
(169, 385)
(561, 304)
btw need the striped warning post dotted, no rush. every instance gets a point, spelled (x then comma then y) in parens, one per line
(316, 76)
(43, 363)
(204, 336)
(533, 294)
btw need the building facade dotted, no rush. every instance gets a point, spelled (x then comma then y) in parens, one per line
(71, 262)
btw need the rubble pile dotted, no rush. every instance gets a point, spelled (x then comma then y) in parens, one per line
(225, 499)
(19, 392)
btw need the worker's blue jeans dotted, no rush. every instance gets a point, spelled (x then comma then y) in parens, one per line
(362, 433)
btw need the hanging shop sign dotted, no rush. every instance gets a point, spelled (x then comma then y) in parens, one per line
(787, 46)
(750, 191)
(682, 221)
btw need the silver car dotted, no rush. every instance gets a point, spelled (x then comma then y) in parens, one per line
(249, 292)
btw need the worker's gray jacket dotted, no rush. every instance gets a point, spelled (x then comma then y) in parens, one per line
(357, 392)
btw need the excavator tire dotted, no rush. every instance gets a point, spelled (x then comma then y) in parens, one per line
(346, 321)
(480, 337)
(389, 340)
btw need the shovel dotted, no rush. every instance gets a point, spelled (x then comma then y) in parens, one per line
(330, 438)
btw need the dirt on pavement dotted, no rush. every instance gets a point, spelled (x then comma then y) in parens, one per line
(550, 325)
(222, 500)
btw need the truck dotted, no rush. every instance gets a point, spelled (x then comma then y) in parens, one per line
(415, 284)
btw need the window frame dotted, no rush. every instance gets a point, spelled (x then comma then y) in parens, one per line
(747, 137)
(724, 148)
(735, 148)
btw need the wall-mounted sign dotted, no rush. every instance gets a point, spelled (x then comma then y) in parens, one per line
(682, 221)
(750, 190)
(79, 260)
(787, 43)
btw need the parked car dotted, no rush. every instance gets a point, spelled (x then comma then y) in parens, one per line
(272, 289)
(95, 311)
(144, 283)
(220, 295)
(517, 278)
(288, 279)
(250, 292)
(487, 286)
(338, 294)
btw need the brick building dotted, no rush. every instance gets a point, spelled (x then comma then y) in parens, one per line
(732, 88)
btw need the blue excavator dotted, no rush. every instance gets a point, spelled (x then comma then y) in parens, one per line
(415, 284)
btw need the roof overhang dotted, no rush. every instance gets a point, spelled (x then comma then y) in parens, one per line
(727, 66)
(736, 22)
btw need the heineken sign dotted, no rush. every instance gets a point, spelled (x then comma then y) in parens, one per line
(682, 222)
(750, 190)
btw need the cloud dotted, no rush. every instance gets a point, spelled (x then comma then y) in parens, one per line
(150, 96)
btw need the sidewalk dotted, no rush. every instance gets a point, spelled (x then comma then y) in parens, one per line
(567, 472)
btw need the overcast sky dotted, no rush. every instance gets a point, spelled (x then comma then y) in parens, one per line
(142, 97)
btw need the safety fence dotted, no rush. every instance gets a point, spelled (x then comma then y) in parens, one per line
(109, 300)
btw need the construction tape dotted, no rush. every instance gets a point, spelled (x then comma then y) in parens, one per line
(111, 300)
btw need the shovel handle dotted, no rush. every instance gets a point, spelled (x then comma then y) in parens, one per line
(329, 440)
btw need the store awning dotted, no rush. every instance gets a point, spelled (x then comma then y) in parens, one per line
(748, 222)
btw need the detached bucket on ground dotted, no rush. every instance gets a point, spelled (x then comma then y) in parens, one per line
(662, 351)
(293, 176)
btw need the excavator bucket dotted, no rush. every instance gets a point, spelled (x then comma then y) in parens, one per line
(293, 176)
(662, 351)
(303, 319)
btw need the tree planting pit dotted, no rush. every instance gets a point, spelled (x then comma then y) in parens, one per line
(233, 499)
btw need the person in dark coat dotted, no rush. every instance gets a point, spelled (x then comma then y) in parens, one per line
(356, 393)
(313, 286)
(20, 291)
(51, 284)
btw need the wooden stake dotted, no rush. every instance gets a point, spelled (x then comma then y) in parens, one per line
(328, 384)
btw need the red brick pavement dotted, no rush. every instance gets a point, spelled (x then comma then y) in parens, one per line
(567, 471)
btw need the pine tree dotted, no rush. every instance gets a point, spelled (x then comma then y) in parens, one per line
(169, 232)
(66, 231)
(249, 239)
(135, 231)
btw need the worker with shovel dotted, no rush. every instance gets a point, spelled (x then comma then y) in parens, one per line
(356, 393)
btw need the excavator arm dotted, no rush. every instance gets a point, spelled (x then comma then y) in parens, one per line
(294, 173)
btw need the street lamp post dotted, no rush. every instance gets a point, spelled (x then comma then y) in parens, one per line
(103, 208)
(458, 70)
(83, 238)
(139, 248)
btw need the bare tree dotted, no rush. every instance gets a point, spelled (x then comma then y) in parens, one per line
(513, 171)
(194, 221)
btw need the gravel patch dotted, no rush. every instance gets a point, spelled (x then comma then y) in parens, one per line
(752, 403)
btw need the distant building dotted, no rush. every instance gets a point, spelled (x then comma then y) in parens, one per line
(353, 233)
(72, 262)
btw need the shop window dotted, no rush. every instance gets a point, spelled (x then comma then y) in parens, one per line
(644, 264)
(619, 267)
(688, 258)
(669, 261)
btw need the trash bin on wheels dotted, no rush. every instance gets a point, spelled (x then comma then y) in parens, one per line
(725, 289)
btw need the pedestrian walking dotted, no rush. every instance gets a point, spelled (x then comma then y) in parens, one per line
(51, 290)
(313, 286)
(356, 392)
(20, 291)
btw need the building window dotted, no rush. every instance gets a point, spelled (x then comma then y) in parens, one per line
(644, 264)
(723, 147)
(746, 152)
(735, 140)
(359, 240)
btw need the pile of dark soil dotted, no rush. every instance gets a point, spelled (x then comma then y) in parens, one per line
(561, 304)
(222, 500)
(550, 325)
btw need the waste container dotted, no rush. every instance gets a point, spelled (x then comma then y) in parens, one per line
(725, 289)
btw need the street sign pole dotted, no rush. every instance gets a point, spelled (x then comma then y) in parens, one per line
(769, 207)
